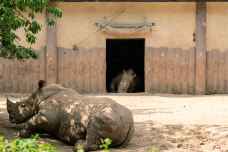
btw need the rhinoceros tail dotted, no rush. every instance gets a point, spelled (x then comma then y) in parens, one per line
(129, 135)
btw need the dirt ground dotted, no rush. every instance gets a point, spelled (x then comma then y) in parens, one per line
(169, 122)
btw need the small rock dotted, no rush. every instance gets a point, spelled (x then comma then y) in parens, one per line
(179, 145)
(202, 143)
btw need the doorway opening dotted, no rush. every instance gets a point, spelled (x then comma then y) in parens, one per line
(124, 54)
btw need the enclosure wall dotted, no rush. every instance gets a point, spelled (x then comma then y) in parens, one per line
(170, 53)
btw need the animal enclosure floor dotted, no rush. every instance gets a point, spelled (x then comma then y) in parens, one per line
(171, 123)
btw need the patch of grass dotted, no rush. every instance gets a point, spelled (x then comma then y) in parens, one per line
(211, 91)
(25, 145)
(80, 148)
(191, 90)
(175, 90)
(105, 145)
(154, 149)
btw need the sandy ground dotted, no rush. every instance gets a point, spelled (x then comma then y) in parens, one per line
(169, 122)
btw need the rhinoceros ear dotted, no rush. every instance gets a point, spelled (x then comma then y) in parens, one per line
(41, 84)
(9, 103)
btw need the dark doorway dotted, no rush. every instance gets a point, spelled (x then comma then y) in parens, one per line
(124, 54)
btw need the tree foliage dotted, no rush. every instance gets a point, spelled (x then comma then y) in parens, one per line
(16, 14)
(25, 145)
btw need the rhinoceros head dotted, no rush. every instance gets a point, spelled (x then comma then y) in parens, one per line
(126, 81)
(19, 112)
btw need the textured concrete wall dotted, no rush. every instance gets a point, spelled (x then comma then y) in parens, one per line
(167, 70)
(169, 50)
(175, 23)
(217, 29)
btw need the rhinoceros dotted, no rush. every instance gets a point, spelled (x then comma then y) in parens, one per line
(72, 118)
(126, 81)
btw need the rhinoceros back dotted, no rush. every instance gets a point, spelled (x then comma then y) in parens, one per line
(54, 89)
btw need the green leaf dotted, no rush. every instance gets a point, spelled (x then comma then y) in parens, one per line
(50, 21)
(30, 38)
(106, 143)
(154, 149)
(24, 145)
(79, 148)
(58, 12)
(34, 27)
(16, 14)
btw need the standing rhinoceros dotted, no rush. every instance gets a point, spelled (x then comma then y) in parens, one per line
(72, 118)
(126, 81)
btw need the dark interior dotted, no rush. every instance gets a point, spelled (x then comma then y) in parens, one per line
(124, 54)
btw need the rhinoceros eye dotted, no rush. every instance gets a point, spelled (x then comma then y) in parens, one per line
(23, 105)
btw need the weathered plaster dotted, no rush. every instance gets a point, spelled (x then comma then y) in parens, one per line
(175, 23)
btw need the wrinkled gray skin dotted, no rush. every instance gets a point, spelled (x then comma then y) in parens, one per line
(126, 81)
(72, 118)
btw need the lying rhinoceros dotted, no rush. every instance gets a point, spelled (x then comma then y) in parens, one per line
(126, 81)
(72, 118)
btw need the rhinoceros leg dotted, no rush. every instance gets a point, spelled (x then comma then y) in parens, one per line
(115, 82)
(112, 87)
(25, 133)
(102, 125)
(34, 124)
(92, 138)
